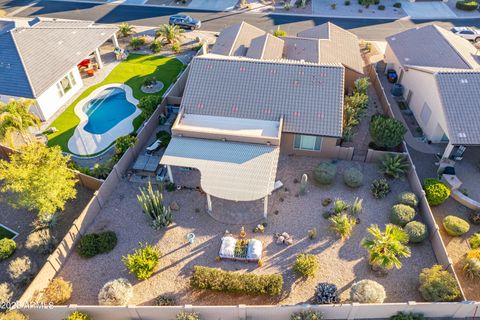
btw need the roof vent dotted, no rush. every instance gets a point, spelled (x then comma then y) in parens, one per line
(60, 42)
(407, 59)
(103, 33)
(463, 81)
(462, 135)
(393, 38)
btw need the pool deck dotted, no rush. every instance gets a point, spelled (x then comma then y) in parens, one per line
(86, 143)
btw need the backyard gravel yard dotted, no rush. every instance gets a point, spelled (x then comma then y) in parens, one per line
(341, 262)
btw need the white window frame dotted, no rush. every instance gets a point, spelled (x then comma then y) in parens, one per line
(297, 142)
(71, 81)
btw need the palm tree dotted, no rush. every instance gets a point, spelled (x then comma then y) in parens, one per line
(15, 117)
(125, 29)
(171, 33)
(385, 248)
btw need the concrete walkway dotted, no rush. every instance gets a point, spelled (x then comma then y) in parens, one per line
(214, 5)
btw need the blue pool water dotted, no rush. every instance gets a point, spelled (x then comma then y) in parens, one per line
(106, 110)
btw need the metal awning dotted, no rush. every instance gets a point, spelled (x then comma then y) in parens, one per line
(229, 170)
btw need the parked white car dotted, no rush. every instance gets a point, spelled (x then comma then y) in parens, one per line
(468, 33)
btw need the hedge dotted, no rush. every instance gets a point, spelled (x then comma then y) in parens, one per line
(228, 281)
(467, 5)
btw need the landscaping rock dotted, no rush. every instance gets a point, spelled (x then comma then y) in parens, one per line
(174, 206)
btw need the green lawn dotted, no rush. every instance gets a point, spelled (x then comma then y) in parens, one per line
(132, 72)
(5, 233)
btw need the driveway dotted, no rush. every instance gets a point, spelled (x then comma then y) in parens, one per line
(215, 5)
(428, 10)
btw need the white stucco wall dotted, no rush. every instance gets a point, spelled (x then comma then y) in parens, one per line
(49, 101)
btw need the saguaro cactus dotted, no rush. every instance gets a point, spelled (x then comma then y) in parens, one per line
(151, 202)
(303, 184)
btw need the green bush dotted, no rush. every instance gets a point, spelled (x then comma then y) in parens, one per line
(474, 241)
(7, 248)
(408, 198)
(353, 177)
(280, 33)
(228, 281)
(467, 5)
(307, 315)
(92, 244)
(394, 166)
(143, 261)
(435, 191)
(472, 268)
(136, 43)
(41, 241)
(367, 291)
(78, 316)
(342, 224)
(164, 138)
(116, 292)
(397, 5)
(57, 292)
(386, 132)
(306, 265)
(188, 316)
(7, 292)
(381, 7)
(156, 46)
(14, 315)
(122, 144)
(407, 316)
(438, 285)
(455, 226)
(176, 47)
(417, 231)
(402, 214)
(149, 104)
(325, 172)
(380, 188)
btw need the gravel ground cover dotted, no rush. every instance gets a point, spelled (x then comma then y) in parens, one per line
(340, 262)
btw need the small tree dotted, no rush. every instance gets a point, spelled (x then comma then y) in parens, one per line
(362, 85)
(15, 117)
(385, 248)
(125, 29)
(386, 132)
(170, 33)
(280, 33)
(38, 179)
(152, 205)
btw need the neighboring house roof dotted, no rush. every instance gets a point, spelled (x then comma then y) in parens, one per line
(33, 58)
(301, 49)
(308, 96)
(266, 47)
(461, 107)
(236, 39)
(229, 170)
(433, 46)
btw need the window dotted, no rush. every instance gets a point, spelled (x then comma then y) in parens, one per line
(64, 85)
(304, 142)
(425, 114)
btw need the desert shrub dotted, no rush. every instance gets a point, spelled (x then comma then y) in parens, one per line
(397, 5)
(326, 293)
(7, 248)
(143, 261)
(78, 316)
(380, 188)
(437, 285)
(57, 292)
(402, 214)
(407, 316)
(228, 281)
(14, 315)
(455, 226)
(339, 206)
(156, 46)
(165, 301)
(21, 270)
(176, 47)
(164, 138)
(381, 7)
(435, 191)
(41, 241)
(408, 198)
(92, 244)
(474, 254)
(280, 33)
(466, 5)
(136, 43)
(188, 316)
(474, 241)
(342, 224)
(353, 177)
(306, 265)
(367, 291)
(117, 292)
(6, 294)
(471, 268)
(394, 166)
(386, 132)
(307, 315)
(417, 231)
(149, 104)
(357, 206)
(325, 172)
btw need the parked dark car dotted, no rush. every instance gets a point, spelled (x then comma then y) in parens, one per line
(392, 76)
(185, 21)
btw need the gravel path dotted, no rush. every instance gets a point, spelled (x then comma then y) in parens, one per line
(340, 262)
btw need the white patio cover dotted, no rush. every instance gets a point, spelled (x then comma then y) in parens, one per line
(229, 170)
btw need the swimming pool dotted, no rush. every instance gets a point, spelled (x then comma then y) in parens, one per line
(106, 110)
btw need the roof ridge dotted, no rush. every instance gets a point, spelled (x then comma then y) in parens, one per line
(236, 37)
(215, 57)
(442, 33)
(23, 64)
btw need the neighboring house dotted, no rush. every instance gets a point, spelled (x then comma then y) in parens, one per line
(440, 73)
(39, 58)
(326, 43)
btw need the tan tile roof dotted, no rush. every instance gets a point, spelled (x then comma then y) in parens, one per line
(301, 49)
(308, 96)
(266, 47)
(236, 39)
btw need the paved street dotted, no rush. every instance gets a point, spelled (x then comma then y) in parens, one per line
(370, 29)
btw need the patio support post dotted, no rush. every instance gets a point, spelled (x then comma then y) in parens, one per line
(170, 175)
(265, 206)
(115, 41)
(98, 57)
(448, 151)
(209, 203)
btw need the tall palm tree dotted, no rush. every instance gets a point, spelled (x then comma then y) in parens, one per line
(385, 248)
(125, 29)
(15, 117)
(170, 33)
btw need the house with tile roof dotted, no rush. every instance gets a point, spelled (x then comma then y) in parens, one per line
(39, 58)
(440, 73)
